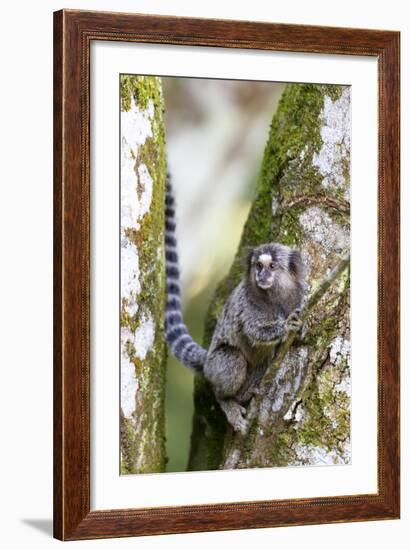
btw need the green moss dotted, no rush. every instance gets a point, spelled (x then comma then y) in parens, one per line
(142, 89)
(327, 421)
(129, 446)
(321, 333)
(281, 449)
(290, 232)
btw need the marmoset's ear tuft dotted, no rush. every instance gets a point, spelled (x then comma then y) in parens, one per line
(246, 257)
(296, 266)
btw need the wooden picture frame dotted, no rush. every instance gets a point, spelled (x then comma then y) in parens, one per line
(73, 33)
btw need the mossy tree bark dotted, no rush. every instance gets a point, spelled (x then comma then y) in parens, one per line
(302, 199)
(143, 351)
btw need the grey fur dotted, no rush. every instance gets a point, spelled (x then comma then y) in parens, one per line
(256, 317)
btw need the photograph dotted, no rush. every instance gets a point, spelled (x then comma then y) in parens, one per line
(234, 297)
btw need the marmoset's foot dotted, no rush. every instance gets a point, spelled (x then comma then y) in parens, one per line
(235, 415)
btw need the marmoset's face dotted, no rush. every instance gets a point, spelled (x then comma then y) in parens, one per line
(265, 267)
(271, 266)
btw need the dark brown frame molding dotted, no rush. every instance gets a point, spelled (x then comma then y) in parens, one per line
(73, 33)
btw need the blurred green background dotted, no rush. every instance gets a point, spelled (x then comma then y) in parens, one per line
(215, 131)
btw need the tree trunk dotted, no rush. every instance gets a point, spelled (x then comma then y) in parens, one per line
(302, 199)
(143, 351)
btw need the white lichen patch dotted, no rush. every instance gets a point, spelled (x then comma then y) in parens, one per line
(134, 344)
(144, 336)
(340, 351)
(136, 128)
(345, 386)
(303, 153)
(136, 124)
(334, 154)
(300, 413)
(290, 412)
(319, 226)
(129, 196)
(129, 382)
(296, 412)
(146, 184)
(130, 283)
(319, 456)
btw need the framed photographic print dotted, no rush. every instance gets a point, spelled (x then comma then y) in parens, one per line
(226, 282)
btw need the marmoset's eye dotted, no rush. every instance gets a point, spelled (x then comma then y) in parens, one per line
(259, 265)
(272, 265)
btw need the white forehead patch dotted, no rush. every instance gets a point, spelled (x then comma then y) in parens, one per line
(265, 259)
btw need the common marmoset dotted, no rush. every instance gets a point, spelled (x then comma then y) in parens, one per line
(256, 317)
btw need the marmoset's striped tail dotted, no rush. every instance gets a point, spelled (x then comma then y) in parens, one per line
(181, 343)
